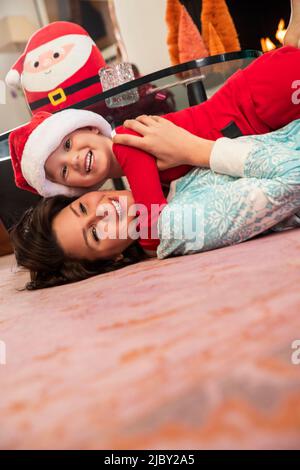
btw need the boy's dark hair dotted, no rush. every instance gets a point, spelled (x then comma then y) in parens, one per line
(37, 249)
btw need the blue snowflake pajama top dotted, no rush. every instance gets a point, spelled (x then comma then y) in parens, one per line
(253, 185)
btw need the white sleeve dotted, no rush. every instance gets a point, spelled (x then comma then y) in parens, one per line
(228, 156)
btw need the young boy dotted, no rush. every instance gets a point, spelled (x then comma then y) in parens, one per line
(71, 152)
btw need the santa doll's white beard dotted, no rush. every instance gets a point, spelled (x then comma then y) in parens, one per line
(60, 71)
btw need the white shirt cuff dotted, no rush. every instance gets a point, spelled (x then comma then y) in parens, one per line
(228, 156)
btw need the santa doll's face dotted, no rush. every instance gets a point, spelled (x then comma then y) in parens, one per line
(83, 159)
(51, 64)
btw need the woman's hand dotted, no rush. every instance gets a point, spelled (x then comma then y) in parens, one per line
(170, 144)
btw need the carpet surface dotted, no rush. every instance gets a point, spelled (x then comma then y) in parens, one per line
(191, 352)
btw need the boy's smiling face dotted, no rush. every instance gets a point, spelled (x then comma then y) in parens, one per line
(83, 159)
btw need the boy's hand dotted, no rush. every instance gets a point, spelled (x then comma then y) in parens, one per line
(170, 144)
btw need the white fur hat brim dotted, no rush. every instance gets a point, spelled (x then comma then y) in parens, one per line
(46, 138)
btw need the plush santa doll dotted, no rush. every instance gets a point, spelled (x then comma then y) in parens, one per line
(58, 68)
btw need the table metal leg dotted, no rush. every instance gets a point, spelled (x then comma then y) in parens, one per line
(196, 93)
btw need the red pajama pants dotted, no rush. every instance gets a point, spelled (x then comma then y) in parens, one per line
(260, 98)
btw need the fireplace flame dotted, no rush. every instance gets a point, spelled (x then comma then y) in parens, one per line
(280, 33)
(267, 44)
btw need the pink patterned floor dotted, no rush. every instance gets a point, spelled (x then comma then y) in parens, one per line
(191, 352)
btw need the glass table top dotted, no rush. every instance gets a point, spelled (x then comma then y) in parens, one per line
(165, 91)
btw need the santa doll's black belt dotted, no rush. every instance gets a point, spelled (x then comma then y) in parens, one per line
(59, 95)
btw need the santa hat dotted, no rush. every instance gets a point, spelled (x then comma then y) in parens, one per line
(42, 36)
(30, 146)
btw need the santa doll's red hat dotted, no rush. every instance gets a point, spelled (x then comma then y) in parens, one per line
(44, 35)
(30, 146)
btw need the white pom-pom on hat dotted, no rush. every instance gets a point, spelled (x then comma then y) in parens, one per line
(12, 79)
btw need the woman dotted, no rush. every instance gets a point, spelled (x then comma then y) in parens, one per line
(251, 184)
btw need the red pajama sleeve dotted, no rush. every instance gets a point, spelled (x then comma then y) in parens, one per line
(142, 174)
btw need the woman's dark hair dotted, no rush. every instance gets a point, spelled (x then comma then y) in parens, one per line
(37, 249)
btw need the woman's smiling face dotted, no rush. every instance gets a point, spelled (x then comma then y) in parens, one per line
(98, 225)
(83, 159)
